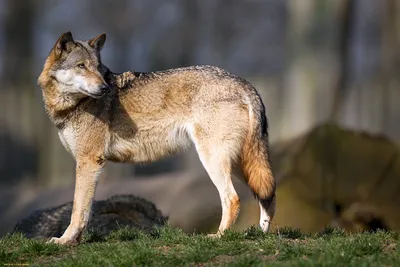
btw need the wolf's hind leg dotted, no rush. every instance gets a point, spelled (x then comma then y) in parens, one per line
(218, 166)
(267, 212)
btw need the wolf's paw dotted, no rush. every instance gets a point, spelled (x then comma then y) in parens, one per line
(62, 241)
(217, 235)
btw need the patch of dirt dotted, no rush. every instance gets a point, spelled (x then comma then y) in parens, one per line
(389, 247)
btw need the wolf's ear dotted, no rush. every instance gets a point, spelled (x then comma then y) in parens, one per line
(64, 43)
(98, 41)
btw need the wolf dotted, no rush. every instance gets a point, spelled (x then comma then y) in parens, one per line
(141, 117)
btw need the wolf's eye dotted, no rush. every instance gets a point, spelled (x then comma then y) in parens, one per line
(81, 66)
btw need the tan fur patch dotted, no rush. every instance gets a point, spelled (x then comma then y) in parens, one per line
(234, 210)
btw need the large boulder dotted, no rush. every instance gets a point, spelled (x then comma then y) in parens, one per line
(107, 215)
(338, 177)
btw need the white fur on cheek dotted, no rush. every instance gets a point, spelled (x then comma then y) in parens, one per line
(63, 76)
(80, 82)
(71, 81)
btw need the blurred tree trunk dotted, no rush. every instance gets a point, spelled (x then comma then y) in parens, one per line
(390, 45)
(341, 88)
(18, 42)
(16, 77)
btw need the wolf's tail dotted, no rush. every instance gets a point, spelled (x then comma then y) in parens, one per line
(256, 164)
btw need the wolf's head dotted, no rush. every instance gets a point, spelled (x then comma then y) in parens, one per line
(75, 67)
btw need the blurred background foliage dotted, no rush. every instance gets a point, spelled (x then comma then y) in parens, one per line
(313, 61)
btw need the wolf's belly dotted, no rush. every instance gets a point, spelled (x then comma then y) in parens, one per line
(147, 146)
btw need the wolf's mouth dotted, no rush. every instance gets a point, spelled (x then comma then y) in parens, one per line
(83, 91)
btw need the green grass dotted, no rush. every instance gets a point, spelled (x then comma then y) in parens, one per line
(171, 247)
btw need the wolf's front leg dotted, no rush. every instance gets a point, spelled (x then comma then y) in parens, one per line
(86, 180)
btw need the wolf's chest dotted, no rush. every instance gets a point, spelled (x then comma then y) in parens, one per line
(68, 139)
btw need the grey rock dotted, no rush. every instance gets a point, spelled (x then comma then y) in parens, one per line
(107, 215)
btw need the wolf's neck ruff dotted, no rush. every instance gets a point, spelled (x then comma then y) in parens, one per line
(58, 105)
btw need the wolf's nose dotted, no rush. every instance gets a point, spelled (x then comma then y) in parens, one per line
(104, 88)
